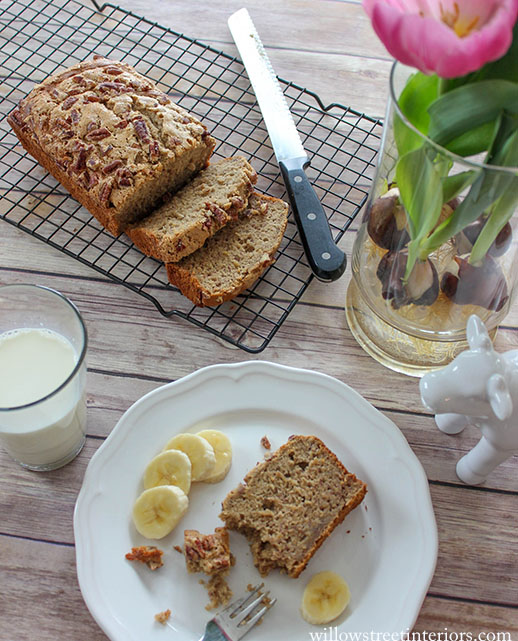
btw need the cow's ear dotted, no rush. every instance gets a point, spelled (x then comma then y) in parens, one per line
(477, 335)
(499, 397)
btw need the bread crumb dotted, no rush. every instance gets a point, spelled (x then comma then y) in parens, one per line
(210, 554)
(148, 554)
(178, 548)
(266, 443)
(163, 617)
(219, 592)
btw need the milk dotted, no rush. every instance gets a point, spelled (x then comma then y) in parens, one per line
(40, 426)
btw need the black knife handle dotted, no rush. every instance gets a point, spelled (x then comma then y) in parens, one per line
(326, 260)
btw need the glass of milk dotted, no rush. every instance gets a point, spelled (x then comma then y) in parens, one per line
(42, 377)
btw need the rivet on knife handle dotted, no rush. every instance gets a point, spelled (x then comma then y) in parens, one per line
(326, 260)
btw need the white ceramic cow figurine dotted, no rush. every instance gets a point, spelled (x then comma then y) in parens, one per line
(479, 387)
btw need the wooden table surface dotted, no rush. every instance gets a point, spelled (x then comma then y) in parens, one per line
(327, 46)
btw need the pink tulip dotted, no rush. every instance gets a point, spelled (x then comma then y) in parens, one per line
(446, 37)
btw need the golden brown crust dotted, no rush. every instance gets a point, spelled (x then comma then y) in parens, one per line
(276, 505)
(182, 275)
(111, 138)
(187, 218)
(192, 289)
(357, 499)
(70, 184)
(150, 243)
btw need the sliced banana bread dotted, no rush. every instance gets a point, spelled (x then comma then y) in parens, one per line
(289, 504)
(112, 138)
(186, 219)
(234, 258)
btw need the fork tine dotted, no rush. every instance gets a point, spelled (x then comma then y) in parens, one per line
(244, 612)
(235, 607)
(258, 615)
(240, 616)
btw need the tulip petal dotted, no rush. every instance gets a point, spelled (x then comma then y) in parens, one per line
(413, 34)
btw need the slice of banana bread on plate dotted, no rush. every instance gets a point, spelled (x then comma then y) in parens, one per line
(289, 504)
(186, 219)
(111, 138)
(234, 258)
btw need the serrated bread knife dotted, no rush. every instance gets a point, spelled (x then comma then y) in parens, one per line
(326, 260)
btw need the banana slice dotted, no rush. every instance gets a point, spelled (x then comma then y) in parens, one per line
(171, 467)
(325, 597)
(199, 451)
(158, 510)
(222, 449)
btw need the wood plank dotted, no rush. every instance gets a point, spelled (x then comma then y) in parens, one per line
(477, 541)
(439, 452)
(110, 395)
(40, 594)
(330, 27)
(478, 547)
(449, 617)
(329, 48)
(39, 256)
(358, 78)
(44, 576)
(314, 337)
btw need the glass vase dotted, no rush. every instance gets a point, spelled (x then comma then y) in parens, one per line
(413, 320)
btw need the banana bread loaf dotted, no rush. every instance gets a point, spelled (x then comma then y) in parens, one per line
(289, 504)
(234, 258)
(112, 138)
(186, 219)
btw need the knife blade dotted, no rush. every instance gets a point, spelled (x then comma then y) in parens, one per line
(326, 260)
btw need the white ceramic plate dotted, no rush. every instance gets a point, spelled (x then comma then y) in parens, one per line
(386, 549)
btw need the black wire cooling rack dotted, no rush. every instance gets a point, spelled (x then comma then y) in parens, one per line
(38, 37)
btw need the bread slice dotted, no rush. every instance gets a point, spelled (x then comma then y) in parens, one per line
(288, 505)
(111, 138)
(187, 218)
(234, 258)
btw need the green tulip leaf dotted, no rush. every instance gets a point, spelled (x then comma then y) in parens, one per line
(419, 183)
(474, 141)
(502, 150)
(418, 94)
(488, 187)
(501, 213)
(454, 185)
(469, 107)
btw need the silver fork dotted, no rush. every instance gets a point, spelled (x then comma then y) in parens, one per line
(232, 623)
